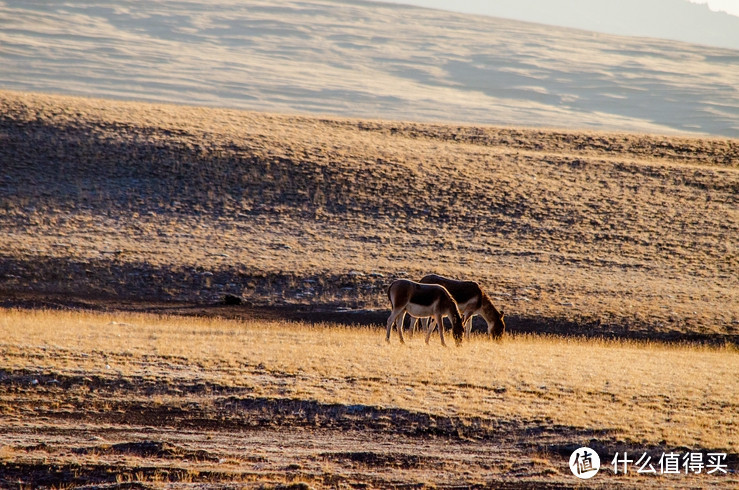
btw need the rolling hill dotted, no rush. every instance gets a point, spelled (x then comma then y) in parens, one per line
(576, 233)
(369, 60)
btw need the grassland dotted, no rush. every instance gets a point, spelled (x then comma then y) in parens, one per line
(106, 398)
(612, 235)
(613, 255)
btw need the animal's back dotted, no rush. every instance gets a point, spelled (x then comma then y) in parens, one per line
(425, 295)
(462, 291)
(399, 291)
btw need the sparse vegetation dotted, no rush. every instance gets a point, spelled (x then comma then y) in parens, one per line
(199, 384)
(585, 233)
(630, 239)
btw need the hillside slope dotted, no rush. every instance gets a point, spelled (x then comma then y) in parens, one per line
(365, 59)
(571, 232)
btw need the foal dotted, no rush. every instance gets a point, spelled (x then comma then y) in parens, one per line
(423, 300)
(472, 301)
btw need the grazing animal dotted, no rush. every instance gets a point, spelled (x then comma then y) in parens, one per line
(423, 300)
(472, 300)
(415, 324)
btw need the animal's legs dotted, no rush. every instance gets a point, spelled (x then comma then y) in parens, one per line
(467, 323)
(421, 321)
(400, 326)
(416, 324)
(430, 323)
(391, 320)
(429, 329)
(440, 323)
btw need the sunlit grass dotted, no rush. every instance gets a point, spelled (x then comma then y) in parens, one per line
(679, 395)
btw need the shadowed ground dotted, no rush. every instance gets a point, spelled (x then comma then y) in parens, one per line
(592, 234)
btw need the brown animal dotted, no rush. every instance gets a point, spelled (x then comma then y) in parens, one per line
(423, 300)
(471, 300)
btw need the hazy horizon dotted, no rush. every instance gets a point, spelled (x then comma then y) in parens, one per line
(361, 59)
(705, 22)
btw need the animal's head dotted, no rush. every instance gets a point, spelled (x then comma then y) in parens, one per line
(494, 318)
(498, 326)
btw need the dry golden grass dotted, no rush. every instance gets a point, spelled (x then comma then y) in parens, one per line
(158, 399)
(572, 232)
(646, 393)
